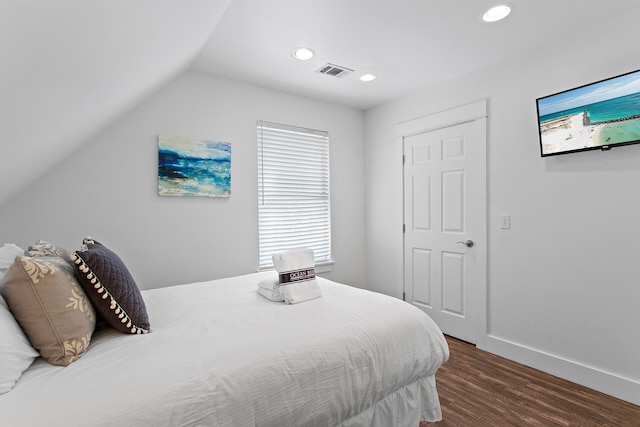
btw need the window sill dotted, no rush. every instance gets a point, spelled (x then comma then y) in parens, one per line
(325, 266)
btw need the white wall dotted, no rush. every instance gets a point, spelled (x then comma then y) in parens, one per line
(564, 281)
(108, 188)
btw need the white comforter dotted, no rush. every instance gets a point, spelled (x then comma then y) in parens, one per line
(222, 355)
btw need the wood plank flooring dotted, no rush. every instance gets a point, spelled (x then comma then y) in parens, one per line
(477, 388)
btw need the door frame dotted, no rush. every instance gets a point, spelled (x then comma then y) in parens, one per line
(476, 111)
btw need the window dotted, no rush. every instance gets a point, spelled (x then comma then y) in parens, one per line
(293, 191)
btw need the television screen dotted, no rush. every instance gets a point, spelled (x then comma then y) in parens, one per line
(596, 116)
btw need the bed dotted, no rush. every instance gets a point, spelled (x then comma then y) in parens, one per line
(220, 354)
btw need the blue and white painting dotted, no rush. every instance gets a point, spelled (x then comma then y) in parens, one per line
(193, 167)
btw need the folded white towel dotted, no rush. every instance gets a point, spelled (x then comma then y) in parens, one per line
(270, 284)
(296, 275)
(296, 259)
(270, 294)
(294, 293)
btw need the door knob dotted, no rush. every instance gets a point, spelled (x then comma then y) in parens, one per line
(468, 243)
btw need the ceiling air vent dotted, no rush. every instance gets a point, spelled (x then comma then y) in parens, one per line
(334, 70)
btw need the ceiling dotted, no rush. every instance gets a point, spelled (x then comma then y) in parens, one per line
(70, 68)
(409, 44)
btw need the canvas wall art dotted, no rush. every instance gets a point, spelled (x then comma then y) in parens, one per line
(193, 167)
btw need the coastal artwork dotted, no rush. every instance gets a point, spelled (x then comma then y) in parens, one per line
(193, 167)
(598, 115)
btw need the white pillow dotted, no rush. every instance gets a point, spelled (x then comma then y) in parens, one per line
(16, 353)
(8, 254)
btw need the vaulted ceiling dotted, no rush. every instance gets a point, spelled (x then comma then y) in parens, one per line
(72, 67)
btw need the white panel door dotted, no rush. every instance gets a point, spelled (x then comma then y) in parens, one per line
(441, 208)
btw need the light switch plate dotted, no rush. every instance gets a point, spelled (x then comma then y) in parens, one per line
(505, 222)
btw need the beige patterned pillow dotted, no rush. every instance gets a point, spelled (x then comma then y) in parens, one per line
(51, 307)
(44, 248)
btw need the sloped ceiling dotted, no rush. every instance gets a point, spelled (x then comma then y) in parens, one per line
(69, 68)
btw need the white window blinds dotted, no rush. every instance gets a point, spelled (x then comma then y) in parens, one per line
(293, 191)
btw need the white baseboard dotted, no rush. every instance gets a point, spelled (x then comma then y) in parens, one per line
(604, 382)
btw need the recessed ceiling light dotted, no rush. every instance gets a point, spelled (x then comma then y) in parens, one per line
(368, 77)
(496, 13)
(303, 53)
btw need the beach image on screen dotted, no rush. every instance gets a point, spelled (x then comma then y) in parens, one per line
(597, 115)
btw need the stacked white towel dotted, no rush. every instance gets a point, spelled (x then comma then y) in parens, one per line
(270, 289)
(296, 275)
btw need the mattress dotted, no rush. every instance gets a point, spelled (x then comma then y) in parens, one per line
(219, 354)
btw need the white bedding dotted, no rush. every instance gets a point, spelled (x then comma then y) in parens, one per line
(219, 354)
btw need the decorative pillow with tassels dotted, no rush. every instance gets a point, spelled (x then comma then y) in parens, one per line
(111, 288)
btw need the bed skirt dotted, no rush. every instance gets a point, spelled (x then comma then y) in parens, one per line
(408, 406)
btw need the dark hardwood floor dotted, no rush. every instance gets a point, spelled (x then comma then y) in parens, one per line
(477, 388)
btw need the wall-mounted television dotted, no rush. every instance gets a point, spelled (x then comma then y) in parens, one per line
(596, 116)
